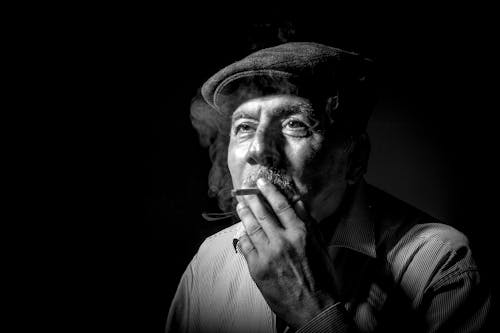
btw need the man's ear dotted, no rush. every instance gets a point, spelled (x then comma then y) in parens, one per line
(332, 105)
(358, 158)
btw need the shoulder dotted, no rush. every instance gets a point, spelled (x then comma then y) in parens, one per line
(218, 248)
(216, 264)
(433, 252)
(431, 242)
(221, 238)
(411, 231)
(435, 235)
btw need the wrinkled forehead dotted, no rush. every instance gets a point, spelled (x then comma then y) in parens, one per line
(277, 105)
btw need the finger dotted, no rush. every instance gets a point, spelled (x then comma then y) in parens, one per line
(247, 248)
(309, 221)
(302, 213)
(264, 215)
(279, 203)
(253, 228)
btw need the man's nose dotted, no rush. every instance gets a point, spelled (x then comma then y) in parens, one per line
(265, 148)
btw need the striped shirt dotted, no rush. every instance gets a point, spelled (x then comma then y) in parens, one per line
(398, 270)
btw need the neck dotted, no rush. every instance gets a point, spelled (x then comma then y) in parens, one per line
(334, 204)
(343, 210)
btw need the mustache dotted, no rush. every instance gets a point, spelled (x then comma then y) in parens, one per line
(278, 177)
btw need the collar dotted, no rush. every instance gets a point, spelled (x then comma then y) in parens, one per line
(355, 229)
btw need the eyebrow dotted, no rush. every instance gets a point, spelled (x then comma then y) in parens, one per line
(286, 110)
(301, 108)
(243, 114)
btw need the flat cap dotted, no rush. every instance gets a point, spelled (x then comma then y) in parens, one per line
(301, 68)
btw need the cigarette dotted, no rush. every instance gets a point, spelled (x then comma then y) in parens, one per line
(244, 191)
(255, 191)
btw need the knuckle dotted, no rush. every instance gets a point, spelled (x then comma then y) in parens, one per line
(242, 210)
(265, 264)
(279, 249)
(260, 269)
(297, 237)
(253, 229)
(243, 242)
(262, 217)
(246, 246)
(282, 207)
(279, 244)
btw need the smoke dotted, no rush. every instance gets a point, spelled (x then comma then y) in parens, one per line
(269, 32)
(213, 132)
(208, 122)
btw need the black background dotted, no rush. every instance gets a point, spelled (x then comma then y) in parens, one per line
(129, 74)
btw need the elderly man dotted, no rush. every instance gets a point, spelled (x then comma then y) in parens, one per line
(317, 248)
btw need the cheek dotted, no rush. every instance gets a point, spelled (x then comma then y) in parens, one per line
(236, 160)
(333, 168)
(302, 158)
(318, 164)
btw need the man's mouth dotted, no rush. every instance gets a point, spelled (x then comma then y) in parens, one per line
(277, 177)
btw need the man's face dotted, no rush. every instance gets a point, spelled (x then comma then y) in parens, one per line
(282, 138)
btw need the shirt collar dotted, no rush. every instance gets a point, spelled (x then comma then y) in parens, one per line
(355, 229)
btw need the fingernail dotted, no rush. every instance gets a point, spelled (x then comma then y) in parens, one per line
(261, 182)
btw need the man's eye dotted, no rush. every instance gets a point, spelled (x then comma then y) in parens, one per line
(295, 124)
(243, 128)
(297, 128)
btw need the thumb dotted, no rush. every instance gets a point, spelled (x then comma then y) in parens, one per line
(303, 214)
(318, 244)
(311, 224)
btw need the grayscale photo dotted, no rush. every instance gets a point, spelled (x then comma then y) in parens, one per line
(305, 169)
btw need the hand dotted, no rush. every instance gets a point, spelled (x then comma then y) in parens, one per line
(284, 256)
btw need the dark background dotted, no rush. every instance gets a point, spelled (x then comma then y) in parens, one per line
(144, 176)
